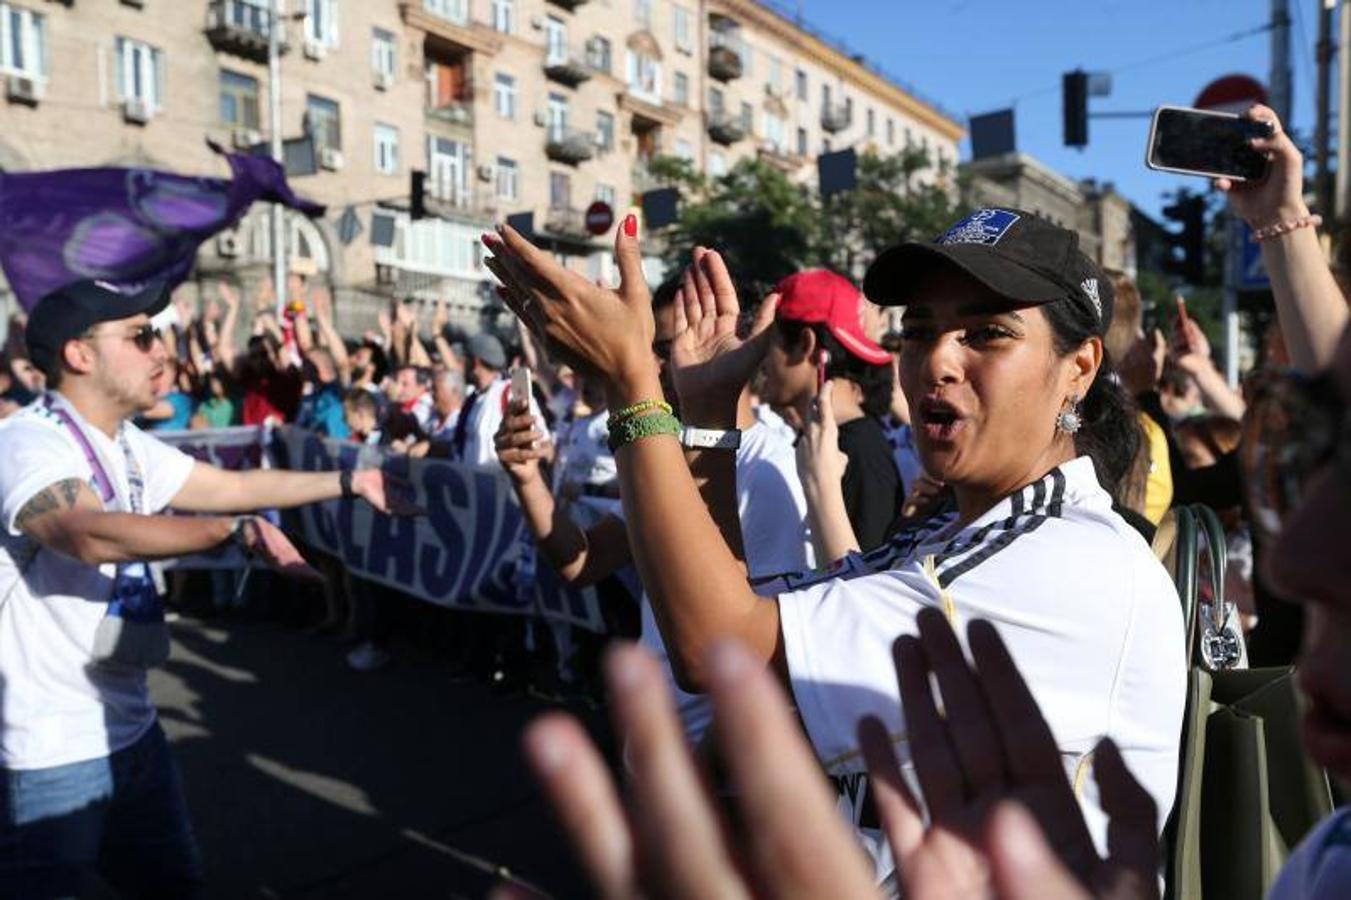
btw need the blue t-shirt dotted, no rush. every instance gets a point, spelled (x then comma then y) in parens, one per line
(322, 412)
(182, 405)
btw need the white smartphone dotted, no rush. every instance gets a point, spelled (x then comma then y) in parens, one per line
(520, 386)
(1206, 143)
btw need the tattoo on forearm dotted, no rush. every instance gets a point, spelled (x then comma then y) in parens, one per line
(59, 496)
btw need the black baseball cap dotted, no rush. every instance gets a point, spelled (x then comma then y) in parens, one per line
(70, 311)
(1014, 253)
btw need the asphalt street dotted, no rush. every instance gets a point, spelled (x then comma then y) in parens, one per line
(307, 779)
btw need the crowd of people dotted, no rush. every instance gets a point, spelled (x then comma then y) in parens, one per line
(789, 499)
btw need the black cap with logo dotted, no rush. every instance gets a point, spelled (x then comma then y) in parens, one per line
(70, 311)
(1014, 253)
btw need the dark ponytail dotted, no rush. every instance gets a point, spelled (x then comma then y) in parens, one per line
(1111, 432)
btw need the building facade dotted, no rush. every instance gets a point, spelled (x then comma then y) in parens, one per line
(508, 106)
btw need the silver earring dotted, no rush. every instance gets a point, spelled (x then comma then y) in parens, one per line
(1069, 420)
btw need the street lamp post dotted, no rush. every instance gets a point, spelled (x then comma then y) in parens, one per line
(274, 119)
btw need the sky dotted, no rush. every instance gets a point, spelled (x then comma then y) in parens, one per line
(976, 56)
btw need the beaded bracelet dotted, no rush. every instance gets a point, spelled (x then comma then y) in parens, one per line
(634, 429)
(637, 409)
(1270, 231)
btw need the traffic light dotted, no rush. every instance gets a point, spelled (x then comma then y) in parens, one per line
(1074, 96)
(417, 195)
(1190, 211)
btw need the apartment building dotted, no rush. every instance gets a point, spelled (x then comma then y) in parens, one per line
(509, 106)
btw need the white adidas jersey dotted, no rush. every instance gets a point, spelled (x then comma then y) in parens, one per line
(1089, 615)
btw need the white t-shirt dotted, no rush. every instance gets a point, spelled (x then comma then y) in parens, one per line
(485, 417)
(1087, 612)
(55, 707)
(773, 513)
(583, 453)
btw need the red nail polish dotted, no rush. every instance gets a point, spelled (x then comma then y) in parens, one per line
(630, 225)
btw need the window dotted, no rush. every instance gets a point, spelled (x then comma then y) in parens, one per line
(716, 164)
(455, 10)
(558, 116)
(238, 100)
(605, 193)
(891, 132)
(825, 96)
(684, 149)
(434, 246)
(682, 89)
(323, 122)
(446, 164)
(748, 118)
(642, 11)
(555, 40)
(715, 101)
(504, 96)
(909, 139)
(386, 149)
(775, 75)
(872, 123)
(605, 131)
(684, 32)
(447, 81)
(508, 187)
(598, 54)
(382, 52)
(801, 79)
(825, 145)
(849, 110)
(644, 76)
(775, 132)
(23, 42)
(321, 22)
(140, 73)
(560, 190)
(504, 16)
(802, 142)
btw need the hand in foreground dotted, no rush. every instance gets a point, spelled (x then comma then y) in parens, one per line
(262, 539)
(592, 328)
(1190, 350)
(987, 765)
(922, 498)
(820, 461)
(387, 493)
(1280, 196)
(710, 363)
(520, 445)
(670, 842)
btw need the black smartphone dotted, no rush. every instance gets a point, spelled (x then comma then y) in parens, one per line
(1205, 143)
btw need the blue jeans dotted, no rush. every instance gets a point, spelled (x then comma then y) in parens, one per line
(123, 816)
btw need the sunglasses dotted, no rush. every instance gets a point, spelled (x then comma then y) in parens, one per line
(1295, 425)
(143, 337)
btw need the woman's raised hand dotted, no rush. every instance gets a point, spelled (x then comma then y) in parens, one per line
(711, 363)
(1280, 196)
(594, 329)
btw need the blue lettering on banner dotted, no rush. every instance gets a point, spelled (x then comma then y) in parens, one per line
(444, 490)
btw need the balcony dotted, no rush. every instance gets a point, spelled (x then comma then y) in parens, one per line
(462, 202)
(452, 26)
(458, 112)
(568, 223)
(569, 5)
(778, 156)
(567, 146)
(239, 27)
(835, 117)
(565, 65)
(726, 52)
(726, 129)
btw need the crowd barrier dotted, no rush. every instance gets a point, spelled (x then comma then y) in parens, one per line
(471, 551)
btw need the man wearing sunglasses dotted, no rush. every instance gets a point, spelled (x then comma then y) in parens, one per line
(86, 779)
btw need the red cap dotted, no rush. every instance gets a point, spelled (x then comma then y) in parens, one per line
(819, 297)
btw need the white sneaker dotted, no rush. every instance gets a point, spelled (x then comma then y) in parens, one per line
(367, 658)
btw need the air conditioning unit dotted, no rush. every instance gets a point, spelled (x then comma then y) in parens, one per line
(23, 90)
(487, 172)
(246, 138)
(541, 118)
(330, 158)
(315, 50)
(384, 81)
(229, 244)
(136, 110)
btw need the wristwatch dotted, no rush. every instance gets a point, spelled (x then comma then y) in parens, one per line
(710, 438)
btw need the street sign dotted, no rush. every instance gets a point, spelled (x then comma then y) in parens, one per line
(1232, 93)
(600, 218)
(837, 172)
(1249, 273)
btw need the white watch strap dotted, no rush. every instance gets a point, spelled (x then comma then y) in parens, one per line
(710, 438)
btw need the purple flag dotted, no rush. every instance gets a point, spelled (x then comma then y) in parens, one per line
(124, 226)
